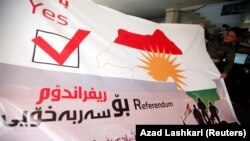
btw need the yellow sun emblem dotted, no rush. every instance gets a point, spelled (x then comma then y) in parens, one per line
(160, 67)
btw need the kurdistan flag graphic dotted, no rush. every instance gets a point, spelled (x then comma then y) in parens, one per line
(187, 111)
(159, 59)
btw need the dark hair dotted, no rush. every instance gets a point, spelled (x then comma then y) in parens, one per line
(236, 30)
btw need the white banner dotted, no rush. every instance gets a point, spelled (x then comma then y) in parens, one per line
(75, 70)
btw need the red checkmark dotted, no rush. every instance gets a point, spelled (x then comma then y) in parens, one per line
(60, 58)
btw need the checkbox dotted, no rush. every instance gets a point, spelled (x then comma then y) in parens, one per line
(57, 42)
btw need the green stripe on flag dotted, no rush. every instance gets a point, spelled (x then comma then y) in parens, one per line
(208, 95)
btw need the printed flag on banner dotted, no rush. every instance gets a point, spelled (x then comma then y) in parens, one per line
(187, 112)
(75, 70)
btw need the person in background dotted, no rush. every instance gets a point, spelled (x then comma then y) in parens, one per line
(221, 49)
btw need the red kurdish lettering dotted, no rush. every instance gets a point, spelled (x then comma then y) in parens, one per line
(60, 58)
(66, 4)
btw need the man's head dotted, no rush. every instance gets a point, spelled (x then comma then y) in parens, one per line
(232, 35)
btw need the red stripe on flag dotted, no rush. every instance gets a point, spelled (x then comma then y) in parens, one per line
(146, 42)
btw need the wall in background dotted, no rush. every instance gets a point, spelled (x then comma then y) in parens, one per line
(212, 12)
